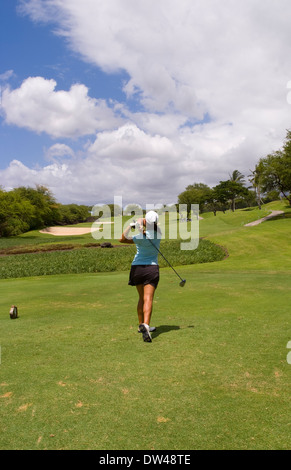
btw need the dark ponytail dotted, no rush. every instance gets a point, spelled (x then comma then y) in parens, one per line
(154, 227)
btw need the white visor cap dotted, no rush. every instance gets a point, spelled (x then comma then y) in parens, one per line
(152, 217)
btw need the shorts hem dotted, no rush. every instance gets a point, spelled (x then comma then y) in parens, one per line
(144, 275)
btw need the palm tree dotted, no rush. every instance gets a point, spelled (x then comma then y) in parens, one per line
(256, 179)
(238, 178)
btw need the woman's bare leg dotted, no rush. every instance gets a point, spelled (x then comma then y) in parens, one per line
(140, 304)
(145, 303)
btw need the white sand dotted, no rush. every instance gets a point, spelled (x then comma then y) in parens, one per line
(64, 231)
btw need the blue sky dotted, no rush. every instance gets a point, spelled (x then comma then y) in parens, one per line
(31, 49)
(140, 100)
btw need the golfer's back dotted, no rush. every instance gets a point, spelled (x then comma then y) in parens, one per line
(147, 246)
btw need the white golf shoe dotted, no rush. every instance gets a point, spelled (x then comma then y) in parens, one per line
(145, 330)
(152, 328)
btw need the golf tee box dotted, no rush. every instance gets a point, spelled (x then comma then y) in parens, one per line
(13, 312)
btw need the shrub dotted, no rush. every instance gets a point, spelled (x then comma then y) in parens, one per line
(84, 260)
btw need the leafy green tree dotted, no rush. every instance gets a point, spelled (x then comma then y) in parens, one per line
(228, 191)
(115, 209)
(276, 170)
(132, 209)
(15, 214)
(249, 199)
(214, 203)
(25, 208)
(73, 214)
(197, 193)
(272, 196)
(216, 206)
(45, 206)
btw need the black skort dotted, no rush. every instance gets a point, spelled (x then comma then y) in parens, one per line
(144, 274)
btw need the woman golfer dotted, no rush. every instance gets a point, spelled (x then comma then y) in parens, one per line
(144, 273)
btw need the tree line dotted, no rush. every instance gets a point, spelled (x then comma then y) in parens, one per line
(23, 209)
(270, 180)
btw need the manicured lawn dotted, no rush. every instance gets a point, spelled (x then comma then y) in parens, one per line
(75, 374)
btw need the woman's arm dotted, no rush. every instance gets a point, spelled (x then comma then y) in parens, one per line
(125, 238)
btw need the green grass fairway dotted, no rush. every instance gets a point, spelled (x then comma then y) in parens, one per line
(75, 374)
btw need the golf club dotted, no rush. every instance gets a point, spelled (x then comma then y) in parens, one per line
(183, 281)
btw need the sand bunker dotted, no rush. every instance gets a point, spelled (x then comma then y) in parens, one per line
(66, 231)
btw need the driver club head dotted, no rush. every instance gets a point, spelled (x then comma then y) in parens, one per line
(182, 283)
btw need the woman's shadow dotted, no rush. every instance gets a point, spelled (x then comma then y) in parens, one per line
(165, 329)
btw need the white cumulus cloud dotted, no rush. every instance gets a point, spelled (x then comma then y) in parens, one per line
(191, 55)
(209, 81)
(37, 106)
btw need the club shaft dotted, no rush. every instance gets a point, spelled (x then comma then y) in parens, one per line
(165, 259)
